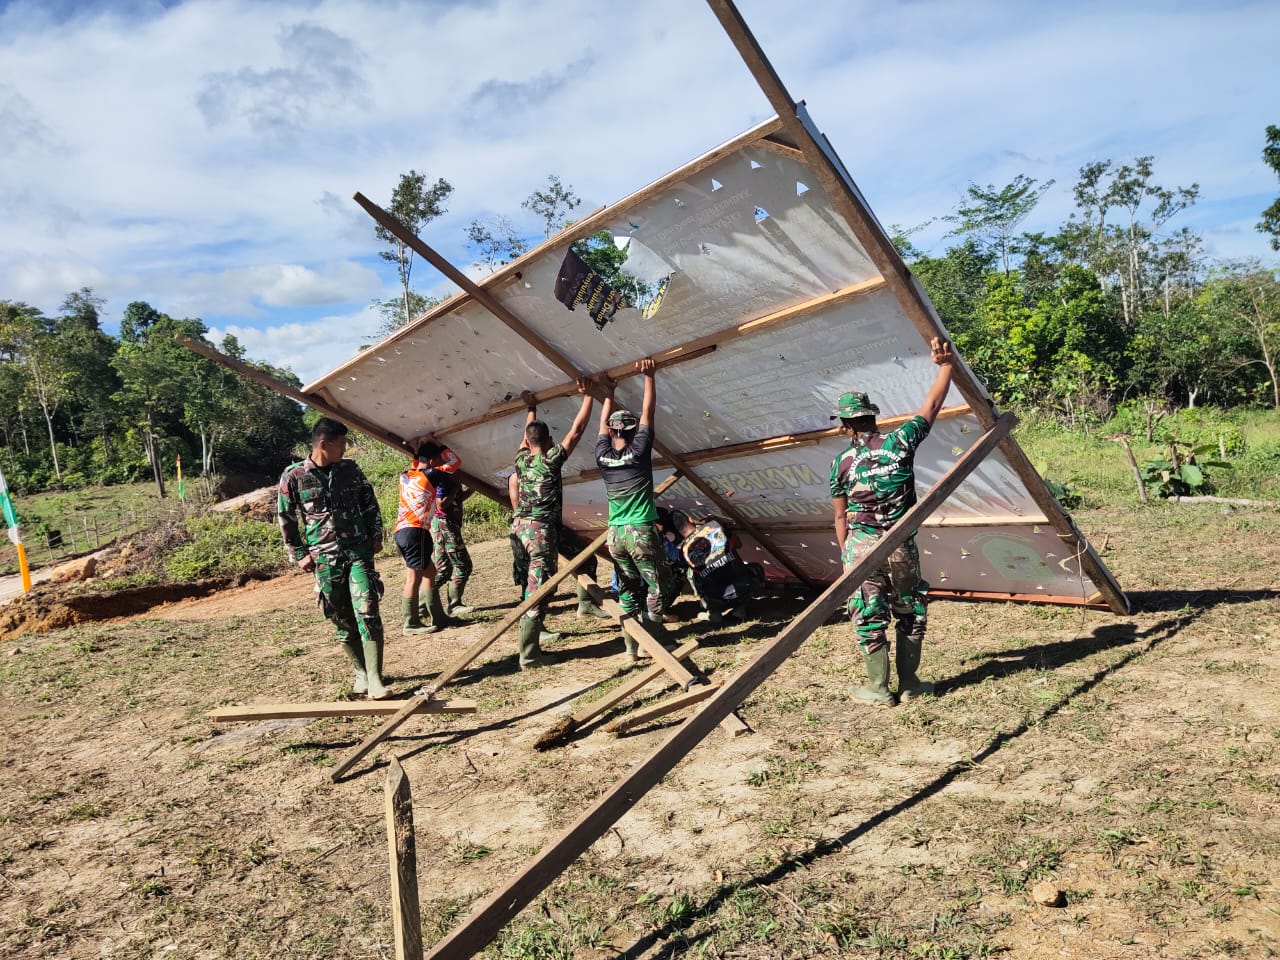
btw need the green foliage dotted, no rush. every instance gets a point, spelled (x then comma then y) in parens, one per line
(1270, 222)
(605, 257)
(223, 544)
(1181, 474)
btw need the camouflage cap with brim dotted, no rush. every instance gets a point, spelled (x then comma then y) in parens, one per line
(622, 420)
(853, 404)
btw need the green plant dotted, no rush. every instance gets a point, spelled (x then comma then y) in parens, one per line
(1182, 474)
(224, 545)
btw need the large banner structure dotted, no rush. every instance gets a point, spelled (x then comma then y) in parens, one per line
(762, 302)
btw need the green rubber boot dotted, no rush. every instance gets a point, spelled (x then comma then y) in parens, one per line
(373, 669)
(876, 691)
(409, 610)
(351, 647)
(587, 607)
(435, 611)
(456, 606)
(530, 652)
(906, 657)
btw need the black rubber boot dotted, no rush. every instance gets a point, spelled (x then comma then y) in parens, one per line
(876, 691)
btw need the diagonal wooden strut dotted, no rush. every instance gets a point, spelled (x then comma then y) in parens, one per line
(685, 351)
(487, 918)
(848, 202)
(427, 693)
(517, 326)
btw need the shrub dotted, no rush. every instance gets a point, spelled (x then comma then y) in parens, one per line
(222, 544)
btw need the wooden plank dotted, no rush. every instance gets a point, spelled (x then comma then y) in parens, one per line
(651, 645)
(662, 708)
(1090, 601)
(848, 202)
(933, 523)
(783, 442)
(329, 408)
(337, 708)
(406, 916)
(488, 917)
(460, 663)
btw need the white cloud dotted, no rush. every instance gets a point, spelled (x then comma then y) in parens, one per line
(202, 155)
(308, 349)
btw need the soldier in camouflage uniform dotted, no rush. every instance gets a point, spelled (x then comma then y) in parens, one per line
(624, 453)
(536, 509)
(331, 525)
(873, 484)
(450, 554)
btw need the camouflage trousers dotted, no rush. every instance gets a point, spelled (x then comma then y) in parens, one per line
(568, 543)
(894, 588)
(538, 544)
(349, 591)
(643, 577)
(449, 554)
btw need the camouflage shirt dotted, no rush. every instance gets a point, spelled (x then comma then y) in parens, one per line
(877, 476)
(326, 511)
(538, 484)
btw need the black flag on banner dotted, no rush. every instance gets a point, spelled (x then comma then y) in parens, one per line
(578, 284)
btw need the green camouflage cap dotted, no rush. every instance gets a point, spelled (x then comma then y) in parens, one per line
(854, 404)
(622, 420)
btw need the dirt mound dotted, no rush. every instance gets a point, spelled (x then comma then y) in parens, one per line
(53, 608)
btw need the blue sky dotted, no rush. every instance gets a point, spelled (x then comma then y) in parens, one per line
(202, 155)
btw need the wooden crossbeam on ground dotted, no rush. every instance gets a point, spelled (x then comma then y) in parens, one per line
(663, 707)
(406, 918)
(336, 708)
(488, 917)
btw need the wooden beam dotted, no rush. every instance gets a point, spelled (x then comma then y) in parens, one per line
(631, 624)
(652, 712)
(488, 917)
(338, 708)
(329, 408)
(833, 178)
(406, 913)
(1094, 601)
(783, 442)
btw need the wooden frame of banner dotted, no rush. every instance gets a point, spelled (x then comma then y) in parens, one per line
(488, 917)
(845, 197)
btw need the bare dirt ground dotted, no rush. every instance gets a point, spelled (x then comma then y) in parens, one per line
(1130, 762)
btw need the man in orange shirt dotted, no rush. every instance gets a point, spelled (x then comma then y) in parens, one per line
(418, 484)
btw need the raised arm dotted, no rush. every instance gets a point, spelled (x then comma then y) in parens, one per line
(647, 406)
(531, 404)
(513, 491)
(940, 353)
(579, 426)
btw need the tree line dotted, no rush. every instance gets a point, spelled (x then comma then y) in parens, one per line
(1119, 304)
(79, 406)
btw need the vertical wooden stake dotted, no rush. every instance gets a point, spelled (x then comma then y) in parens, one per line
(406, 918)
(1137, 474)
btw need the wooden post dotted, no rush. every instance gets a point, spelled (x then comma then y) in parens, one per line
(1133, 463)
(848, 202)
(406, 918)
(487, 918)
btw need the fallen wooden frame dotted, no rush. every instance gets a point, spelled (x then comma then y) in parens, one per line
(488, 917)
(660, 709)
(336, 708)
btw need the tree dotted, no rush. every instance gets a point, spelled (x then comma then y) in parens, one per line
(495, 242)
(1244, 299)
(993, 215)
(1123, 252)
(1270, 222)
(957, 283)
(414, 204)
(88, 352)
(393, 311)
(553, 205)
(30, 338)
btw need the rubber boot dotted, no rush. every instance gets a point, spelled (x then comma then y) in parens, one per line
(373, 669)
(352, 649)
(876, 691)
(906, 656)
(634, 651)
(456, 606)
(658, 629)
(587, 607)
(409, 609)
(530, 652)
(434, 610)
